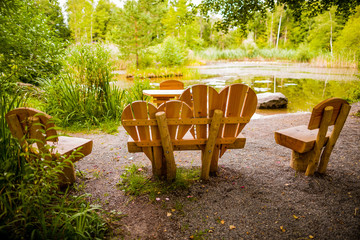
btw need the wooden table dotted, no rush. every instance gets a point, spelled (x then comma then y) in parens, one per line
(161, 96)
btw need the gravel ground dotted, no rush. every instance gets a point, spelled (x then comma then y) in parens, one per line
(256, 195)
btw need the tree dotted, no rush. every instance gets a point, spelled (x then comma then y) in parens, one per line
(103, 13)
(349, 39)
(30, 49)
(133, 30)
(81, 19)
(240, 12)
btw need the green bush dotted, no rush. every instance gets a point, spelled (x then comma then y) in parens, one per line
(303, 53)
(84, 94)
(31, 204)
(171, 53)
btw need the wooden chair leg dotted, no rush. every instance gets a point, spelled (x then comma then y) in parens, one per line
(68, 176)
(215, 160)
(300, 161)
(320, 141)
(209, 149)
(167, 146)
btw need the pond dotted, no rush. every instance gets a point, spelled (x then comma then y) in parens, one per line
(304, 86)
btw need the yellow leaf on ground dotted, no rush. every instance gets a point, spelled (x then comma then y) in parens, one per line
(173, 210)
(311, 236)
(222, 221)
(282, 229)
(296, 217)
(232, 227)
(168, 214)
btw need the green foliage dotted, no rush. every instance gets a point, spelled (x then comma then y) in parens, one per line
(171, 53)
(135, 93)
(348, 41)
(30, 49)
(134, 181)
(303, 53)
(31, 205)
(85, 94)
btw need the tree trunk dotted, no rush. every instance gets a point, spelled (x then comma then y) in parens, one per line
(278, 33)
(331, 30)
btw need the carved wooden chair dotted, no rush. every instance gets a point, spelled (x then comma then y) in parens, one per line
(171, 85)
(29, 123)
(307, 142)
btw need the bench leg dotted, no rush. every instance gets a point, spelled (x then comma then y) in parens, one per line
(68, 175)
(300, 161)
(215, 160)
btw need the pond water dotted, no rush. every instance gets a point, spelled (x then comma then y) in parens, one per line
(304, 86)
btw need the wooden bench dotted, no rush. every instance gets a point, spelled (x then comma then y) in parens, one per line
(307, 142)
(28, 123)
(212, 124)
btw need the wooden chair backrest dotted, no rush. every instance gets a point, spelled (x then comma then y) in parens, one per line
(318, 110)
(171, 85)
(236, 100)
(23, 121)
(141, 110)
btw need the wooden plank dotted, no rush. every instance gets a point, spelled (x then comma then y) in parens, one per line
(186, 114)
(140, 112)
(217, 101)
(207, 156)
(172, 84)
(299, 138)
(173, 111)
(317, 112)
(200, 101)
(248, 109)
(182, 121)
(187, 97)
(158, 168)
(167, 146)
(340, 121)
(187, 145)
(127, 115)
(236, 99)
(35, 132)
(320, 141)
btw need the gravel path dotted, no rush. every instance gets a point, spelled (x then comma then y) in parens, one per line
(256, 196)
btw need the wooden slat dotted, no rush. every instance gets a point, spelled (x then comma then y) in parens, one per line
(200, 109)
(184, 142)
(207, 156)
(188, 145)
(340, 121)
(157, 163)
(127, 116)
(140, 112)
(248, 109)
(186, 97)
(183, 121)
(172, 84)
(317, 112)
(167, 146)
(15, 128)
(187, 114)
(235, 103)
(173, 111)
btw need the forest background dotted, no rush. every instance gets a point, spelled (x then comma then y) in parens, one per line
(68, 70)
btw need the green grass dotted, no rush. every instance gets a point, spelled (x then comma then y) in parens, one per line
(135, 181)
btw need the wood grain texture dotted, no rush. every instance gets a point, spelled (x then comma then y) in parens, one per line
(171, 84)
(126, 115)
(317, 112)
(158, 167)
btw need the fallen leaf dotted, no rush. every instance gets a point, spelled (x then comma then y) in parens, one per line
(168, 214)
(282, 229)
(173, 210)
(296, 217)
(232, 227)
(210, 231)
(311, 236)
(191, 237)
(222, 221)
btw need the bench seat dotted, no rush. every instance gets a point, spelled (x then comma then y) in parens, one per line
(299, 138)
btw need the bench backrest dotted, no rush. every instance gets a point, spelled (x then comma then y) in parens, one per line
(171, 85)
(318, 110)
(23, 121)
(144, 125)
(236, 100)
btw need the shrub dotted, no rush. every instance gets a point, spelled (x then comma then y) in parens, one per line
(171, 53)
(303, 53)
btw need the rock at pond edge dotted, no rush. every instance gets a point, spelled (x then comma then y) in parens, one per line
(271, 100)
